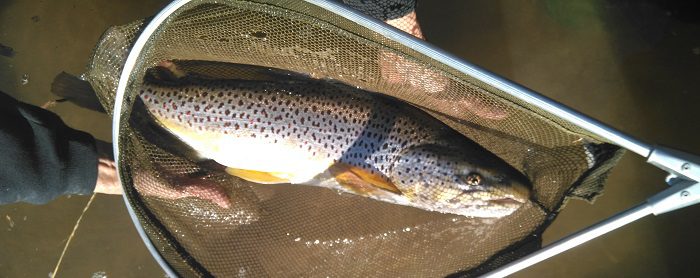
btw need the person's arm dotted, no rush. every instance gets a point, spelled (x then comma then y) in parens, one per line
(40, 157)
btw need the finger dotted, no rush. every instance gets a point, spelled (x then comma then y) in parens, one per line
(408, 24)
(484, 109)
(210, 192)
(396, 69)
(173, 68)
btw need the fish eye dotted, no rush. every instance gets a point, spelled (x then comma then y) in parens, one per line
(473, 179)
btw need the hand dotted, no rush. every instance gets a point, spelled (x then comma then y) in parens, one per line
(409, 24)
(186, 187)
(108, 183)
(107, 179)
(396, 69)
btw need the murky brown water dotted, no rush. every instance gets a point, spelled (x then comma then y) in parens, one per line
(635, 66)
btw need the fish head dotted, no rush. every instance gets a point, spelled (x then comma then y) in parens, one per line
(468, 181)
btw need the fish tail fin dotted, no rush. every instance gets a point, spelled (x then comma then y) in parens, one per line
(76, 90)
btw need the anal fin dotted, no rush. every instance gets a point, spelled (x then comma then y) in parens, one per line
(258, 176)
(360, 180)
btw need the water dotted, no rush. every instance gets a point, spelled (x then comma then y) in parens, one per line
(629, 65)
(633, 65)
(49, 37)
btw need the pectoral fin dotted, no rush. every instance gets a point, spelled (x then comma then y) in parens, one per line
(360, 180)
(258, 176)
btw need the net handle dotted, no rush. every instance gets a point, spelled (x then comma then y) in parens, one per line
(683, 193)
(573, 240)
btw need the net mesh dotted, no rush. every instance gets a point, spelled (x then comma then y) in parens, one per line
(316, 232)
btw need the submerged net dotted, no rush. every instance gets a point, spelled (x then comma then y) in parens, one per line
(316, 232)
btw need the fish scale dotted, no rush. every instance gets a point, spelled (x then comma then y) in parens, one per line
(373, 145)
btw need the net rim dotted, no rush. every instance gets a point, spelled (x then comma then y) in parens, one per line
(136, 53)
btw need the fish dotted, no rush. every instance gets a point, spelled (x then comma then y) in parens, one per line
(321, 133)
(287, 129)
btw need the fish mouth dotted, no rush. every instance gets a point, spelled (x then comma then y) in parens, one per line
(514, 194)
(506, 202)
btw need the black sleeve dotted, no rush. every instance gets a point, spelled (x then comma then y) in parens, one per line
(40, 157)
(383, 9)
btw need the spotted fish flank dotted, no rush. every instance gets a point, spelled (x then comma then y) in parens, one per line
(371, 145)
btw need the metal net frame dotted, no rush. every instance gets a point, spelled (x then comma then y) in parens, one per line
(305, 231)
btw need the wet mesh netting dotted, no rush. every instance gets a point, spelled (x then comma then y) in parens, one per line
(304, 231)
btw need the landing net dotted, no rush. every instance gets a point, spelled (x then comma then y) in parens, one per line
(316, 232)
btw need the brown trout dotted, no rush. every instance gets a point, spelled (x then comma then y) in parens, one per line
(330, 135)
